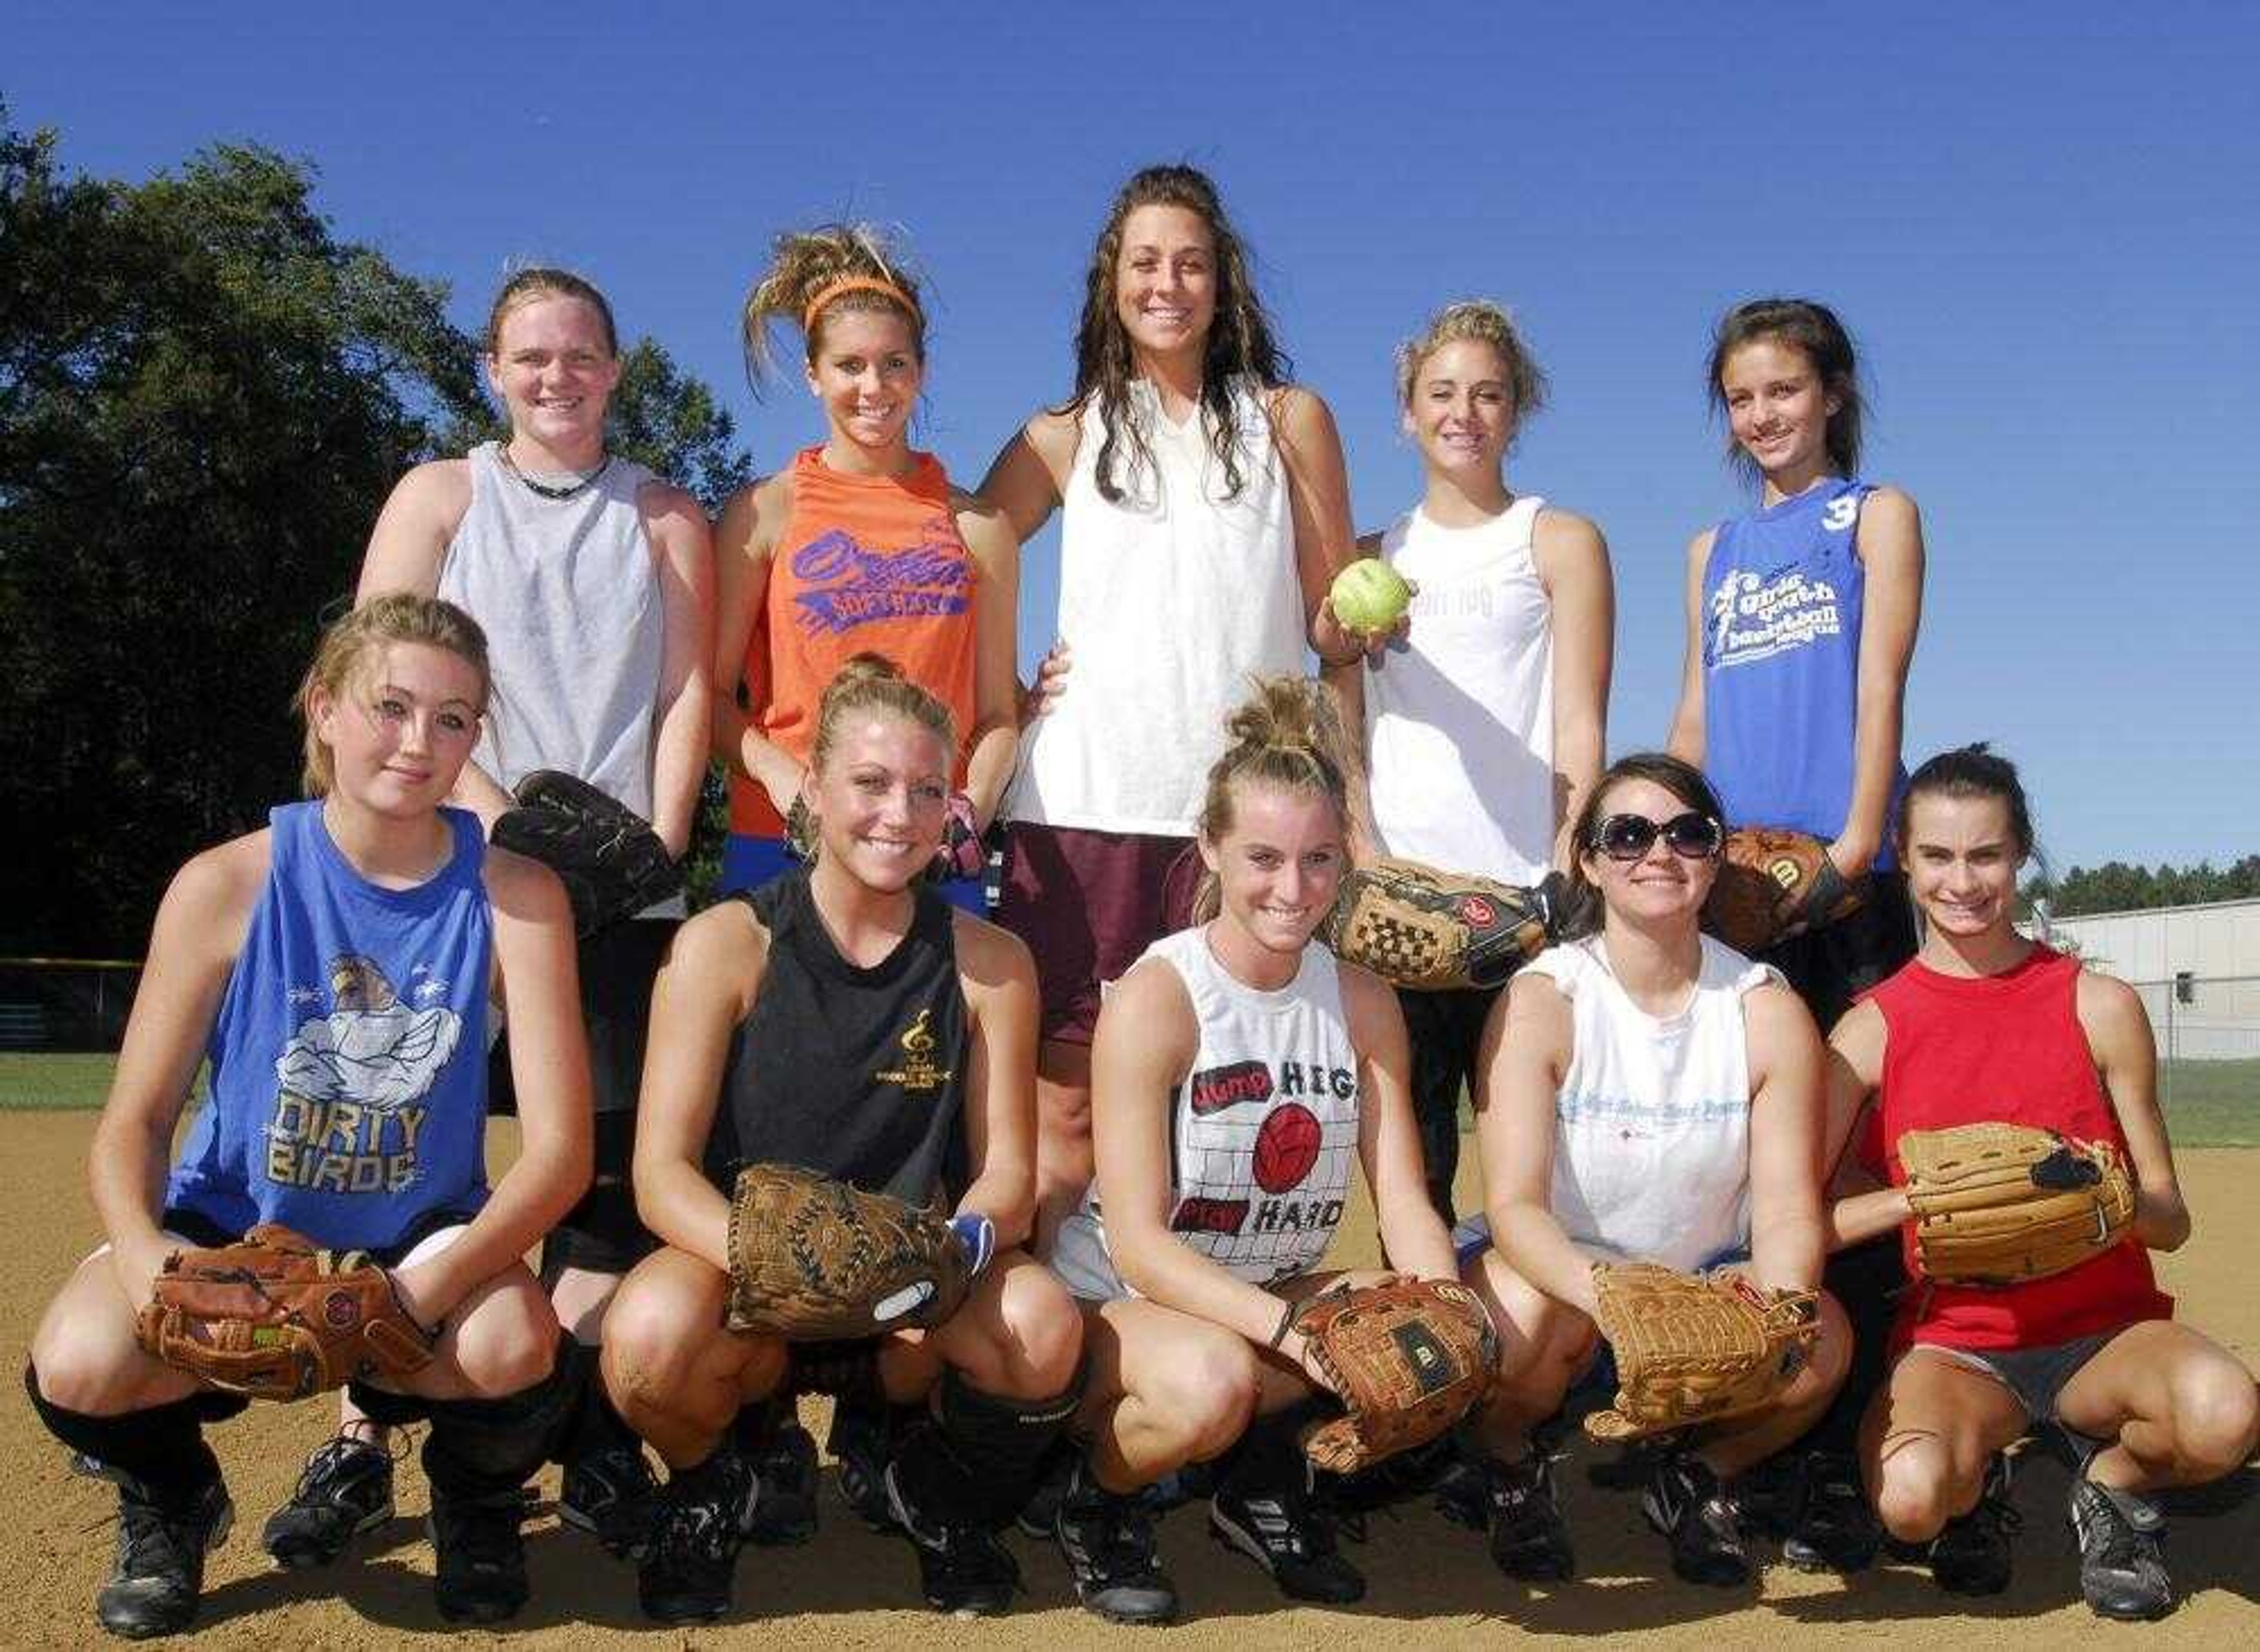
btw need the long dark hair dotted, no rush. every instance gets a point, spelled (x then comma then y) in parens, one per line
(1240, 338)
(1809, 327)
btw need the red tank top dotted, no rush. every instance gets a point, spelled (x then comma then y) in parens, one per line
(865, 564)
(2007, 1047)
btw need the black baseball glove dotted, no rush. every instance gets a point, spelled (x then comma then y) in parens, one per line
(613, 863)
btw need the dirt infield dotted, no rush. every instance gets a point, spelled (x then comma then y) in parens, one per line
(1432, 1583)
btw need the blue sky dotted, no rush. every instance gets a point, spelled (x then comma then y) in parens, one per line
(2039, 220)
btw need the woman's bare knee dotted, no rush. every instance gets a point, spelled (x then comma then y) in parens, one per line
(1043, 1332)
(2216, 1418)
(1915, 1489)
(508, 1340)
(1210, 1390)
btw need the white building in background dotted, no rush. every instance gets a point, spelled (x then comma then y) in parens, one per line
(2198, 966)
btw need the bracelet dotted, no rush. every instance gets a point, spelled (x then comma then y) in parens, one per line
(1286, 1324)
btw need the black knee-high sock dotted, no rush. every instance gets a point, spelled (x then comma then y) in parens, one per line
(594, 1424)
(482, 1448)
(162, 1447)
(1270, 1454)
(974, 1459)
(1866, 1280)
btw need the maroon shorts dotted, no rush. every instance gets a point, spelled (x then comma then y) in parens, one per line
(1088, 903)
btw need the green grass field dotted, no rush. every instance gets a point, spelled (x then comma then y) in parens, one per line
(2212, 1104)
(65, 1082)
(2208, 1104)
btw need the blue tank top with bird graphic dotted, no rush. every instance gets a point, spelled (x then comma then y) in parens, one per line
(347, 1084)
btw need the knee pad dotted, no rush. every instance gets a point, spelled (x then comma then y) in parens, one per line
(162, 1447)
(975, 1457)
(480, 1446)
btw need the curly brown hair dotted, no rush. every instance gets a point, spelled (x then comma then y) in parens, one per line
(1239, 343)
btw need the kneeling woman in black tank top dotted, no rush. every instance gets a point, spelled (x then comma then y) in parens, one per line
(844, 1018)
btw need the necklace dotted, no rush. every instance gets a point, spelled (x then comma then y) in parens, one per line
(554, 491)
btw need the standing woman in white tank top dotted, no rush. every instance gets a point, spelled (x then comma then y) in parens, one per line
(593, 579)
(1485, 724)
(1206, 511)
(1648, 1094)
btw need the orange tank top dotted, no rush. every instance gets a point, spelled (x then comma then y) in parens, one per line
(865, 564)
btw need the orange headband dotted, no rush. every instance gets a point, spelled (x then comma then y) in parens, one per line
(852, 283)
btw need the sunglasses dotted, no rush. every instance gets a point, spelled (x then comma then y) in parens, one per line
(1629, 837)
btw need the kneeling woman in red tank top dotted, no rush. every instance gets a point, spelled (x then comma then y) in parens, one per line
(845, 1018)
(1985, 1025)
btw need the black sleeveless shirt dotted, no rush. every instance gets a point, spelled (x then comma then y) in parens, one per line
(858, 1073)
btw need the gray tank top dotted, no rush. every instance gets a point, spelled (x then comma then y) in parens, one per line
(575, 632)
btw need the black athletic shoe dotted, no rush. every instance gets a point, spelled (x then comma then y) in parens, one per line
(1835, 1529)
(1284, 1530)
(1528, 1537)
(345, 1488)
(962, 1569)
(859, 1442)
(698, 1522)
(1038, 1517)
(1109, 1544)
(1971, 1557)
(610, 1494)
(479, 1559)
(160, 1570)
(2123, 1567)
(784, 1514)
(1771, 1496)
(1631, 1469)
(1685, 1502)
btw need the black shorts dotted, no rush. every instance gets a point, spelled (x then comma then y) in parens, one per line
(602, 1233)
(1446, 1030)
(618, 966)
(199, 1229)
(1831, 967)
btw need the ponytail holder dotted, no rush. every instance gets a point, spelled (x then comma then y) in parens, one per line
(830, 290)
(1286, 1320)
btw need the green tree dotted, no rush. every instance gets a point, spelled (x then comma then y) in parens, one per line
(205, 394)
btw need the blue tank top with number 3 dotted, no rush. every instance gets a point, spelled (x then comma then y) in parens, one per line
(1783, 599)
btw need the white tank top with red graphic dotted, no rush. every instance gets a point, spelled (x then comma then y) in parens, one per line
(1264, 1130)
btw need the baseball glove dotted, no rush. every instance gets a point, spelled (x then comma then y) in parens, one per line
(274, 1316)
(814, 1260)
(1995, 1204)
(1409, 1358)
(613, 863)
(1695, 1348)
(1415, 926)
(1774, 883)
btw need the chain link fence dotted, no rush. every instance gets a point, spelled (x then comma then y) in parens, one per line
(2208, 1033)
(66, 1004)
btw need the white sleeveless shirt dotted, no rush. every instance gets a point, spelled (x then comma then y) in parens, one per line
(1264, 1130)
(1459, 717)
(1652, 1124)
(1171, 599)
(566, 594)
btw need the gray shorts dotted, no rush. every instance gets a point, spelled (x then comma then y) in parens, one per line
(2035, 1376)
(1079, 1259)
